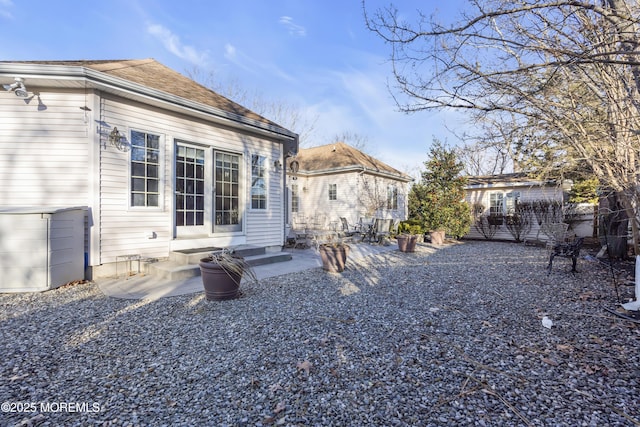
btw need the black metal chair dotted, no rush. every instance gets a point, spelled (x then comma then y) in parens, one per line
(566, 250)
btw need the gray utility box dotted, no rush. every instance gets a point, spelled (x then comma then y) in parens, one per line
(40, 248)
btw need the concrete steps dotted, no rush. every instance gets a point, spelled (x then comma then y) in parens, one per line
(185, 264)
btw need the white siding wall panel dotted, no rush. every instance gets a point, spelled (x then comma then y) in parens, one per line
(126, 230)
(44, 152)
(266, 227)
(352, 196)
(528, 193)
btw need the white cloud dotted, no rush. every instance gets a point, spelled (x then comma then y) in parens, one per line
(358, 101)
(230, 52)
(173, 44)
(253, 66)
(332, 119)
(294, 29)
(3, 12)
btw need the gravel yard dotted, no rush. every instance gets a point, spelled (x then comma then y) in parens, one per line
(442, 337)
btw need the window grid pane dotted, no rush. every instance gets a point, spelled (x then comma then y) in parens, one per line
(496, 204)
(392, 197)
(189, 186)
(227, 193)
(145, 168)
(295, 198)
(333, 191)
(258, 182)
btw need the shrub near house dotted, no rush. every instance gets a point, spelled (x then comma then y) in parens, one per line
(437, 201)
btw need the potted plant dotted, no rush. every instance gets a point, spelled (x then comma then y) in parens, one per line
(407, 242)
(408, 237)
(221, 274)
(334, 256)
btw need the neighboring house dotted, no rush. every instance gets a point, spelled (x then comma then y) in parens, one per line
(336, 180)
(159, 162)
(498, 194)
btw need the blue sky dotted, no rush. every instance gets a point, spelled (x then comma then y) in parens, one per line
(316, 55)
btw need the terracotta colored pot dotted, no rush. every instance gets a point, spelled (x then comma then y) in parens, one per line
(437, 237)
(218, 284)
(334, 258)
(407, 242)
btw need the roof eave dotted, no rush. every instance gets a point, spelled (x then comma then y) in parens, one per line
(509, 185)
(358, 169)
(104, 81)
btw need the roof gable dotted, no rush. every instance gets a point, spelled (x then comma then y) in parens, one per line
(340, 157)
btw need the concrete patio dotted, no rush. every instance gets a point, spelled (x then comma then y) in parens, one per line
(149, 287)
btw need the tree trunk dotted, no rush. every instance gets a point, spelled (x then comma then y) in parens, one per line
(614, 225)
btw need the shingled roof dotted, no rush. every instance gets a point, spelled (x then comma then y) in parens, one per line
(152, 74)
(340, 157)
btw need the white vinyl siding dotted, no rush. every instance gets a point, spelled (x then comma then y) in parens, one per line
(126, 231)
(500, 199)
(265, 226)
(55, 151)
(44, 150)
(352, 195)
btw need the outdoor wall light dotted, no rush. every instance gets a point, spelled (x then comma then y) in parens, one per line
(114, 136)
(41, 105)
(17, 87)
(294, 166)
(117, 139)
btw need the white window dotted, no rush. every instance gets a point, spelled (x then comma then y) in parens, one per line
(295, 198)
(511, 201)
(392, 197)
(258, 182)
(503, 203)
(333, 191)
(145, 169)
(496, 204)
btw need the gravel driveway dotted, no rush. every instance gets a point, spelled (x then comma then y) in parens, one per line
(442, 337)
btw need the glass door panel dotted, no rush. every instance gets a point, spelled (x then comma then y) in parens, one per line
(227, 204)
(190, 191)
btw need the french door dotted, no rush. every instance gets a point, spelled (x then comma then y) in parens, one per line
(191, 198)
(227, 203)
(207, 191)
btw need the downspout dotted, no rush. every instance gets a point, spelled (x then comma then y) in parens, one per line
(288, 151)
(285, 193)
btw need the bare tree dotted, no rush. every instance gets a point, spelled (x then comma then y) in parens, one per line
(562, 77)
(373, 195)
(484, 159)
(288, 115)
(354, 139)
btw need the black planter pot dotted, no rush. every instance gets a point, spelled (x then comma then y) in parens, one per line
(218, 283)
